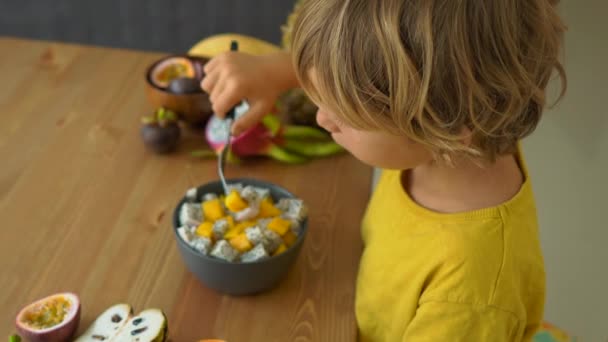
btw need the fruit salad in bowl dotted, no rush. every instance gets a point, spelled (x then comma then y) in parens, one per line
(242, 242)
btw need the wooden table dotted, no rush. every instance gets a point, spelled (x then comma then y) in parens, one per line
(84, 207)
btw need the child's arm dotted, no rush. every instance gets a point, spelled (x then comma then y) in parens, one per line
(234, 76)
(448, 321)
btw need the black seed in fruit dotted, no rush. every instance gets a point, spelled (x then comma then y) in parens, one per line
(138, 331)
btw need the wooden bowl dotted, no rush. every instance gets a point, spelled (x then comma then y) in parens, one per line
(193, 108)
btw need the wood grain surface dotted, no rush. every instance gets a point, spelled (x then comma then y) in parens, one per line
(84, 207)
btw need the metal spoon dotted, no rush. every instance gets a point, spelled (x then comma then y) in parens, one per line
(234, 46)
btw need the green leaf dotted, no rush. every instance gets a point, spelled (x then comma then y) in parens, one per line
(14, 338)
(305, 132)
(313, 149)
(203, 154)
(147, 120)
(277, 153)
(171, 116)
(232, 158)
(272, 122)
(161, 113)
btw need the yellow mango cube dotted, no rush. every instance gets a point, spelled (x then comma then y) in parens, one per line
(230, 220)
(267, 209)
(244, 225)
(289, 238)
(232, 232)
(282, 248)
(238, 229)
(205, 229)
(241, 243)
(279, 225)
(213, 210)
(234, 202)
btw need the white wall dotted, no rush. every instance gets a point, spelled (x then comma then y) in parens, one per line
(568, 160)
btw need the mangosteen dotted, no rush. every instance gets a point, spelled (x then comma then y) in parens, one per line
(161, 131)
(185, 85)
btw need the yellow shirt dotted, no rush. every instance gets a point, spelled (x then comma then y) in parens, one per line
(426, 276)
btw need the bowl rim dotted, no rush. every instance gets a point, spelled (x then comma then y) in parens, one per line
(175, 223)
(151, 67)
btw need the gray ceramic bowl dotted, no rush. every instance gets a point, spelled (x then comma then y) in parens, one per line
(239, 278)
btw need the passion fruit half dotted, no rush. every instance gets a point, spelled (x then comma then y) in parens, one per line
(171, 68)
(51, 319)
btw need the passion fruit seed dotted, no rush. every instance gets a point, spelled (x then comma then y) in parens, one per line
(48, 314)
(171, 68)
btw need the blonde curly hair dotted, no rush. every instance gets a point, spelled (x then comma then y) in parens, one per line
(287, 28)
(463, 76)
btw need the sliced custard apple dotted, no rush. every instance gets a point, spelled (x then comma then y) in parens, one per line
(108, 324)
(148, 326)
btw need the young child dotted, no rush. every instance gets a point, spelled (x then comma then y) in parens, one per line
(437, 93)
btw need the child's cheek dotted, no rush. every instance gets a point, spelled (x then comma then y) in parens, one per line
(346, 139)
(340, 140)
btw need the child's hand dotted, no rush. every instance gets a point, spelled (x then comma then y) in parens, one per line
(234, 76)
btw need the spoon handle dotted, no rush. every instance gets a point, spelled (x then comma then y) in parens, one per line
(234, 46)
